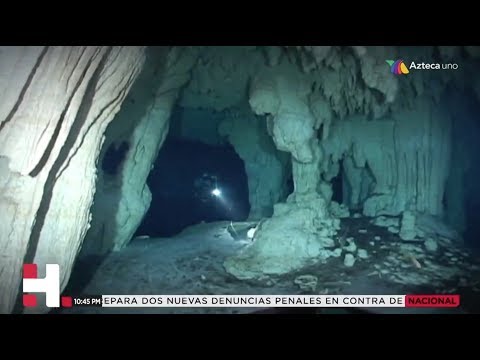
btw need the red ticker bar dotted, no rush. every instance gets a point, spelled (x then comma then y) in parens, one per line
(432, 301)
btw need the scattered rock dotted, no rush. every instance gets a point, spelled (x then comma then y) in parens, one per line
(339, 210)
(384, 221)
(362, 231)
(357, 215)
(449, 254)
(351, 247)
(431, 245)
(337, 252)
(306, 282)
(454, 259)
(203, 277)
(362, 254)
(377, 238)
(372, 243)
(324, 254)
(349, 260)
(393, 229)
(407, 230)
(349, 239)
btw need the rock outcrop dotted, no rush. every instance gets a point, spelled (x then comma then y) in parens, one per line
(300, 229)
(56, 103)
(123, 199)
(394, 164)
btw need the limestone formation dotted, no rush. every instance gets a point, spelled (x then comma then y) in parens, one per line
(123, 199)
(266, 167)
(55, 106)
(220, 77)
(407, 156)
(301, 228)
(292, 238)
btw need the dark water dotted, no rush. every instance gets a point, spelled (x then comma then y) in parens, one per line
(182, 181)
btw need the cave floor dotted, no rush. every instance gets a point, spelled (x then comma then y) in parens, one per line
(191, 263)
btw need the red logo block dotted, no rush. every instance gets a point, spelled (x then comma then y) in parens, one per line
(29, 300)
(30, 271)
(67, 301)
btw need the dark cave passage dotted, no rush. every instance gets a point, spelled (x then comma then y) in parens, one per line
(462, 196)
(337, 185)
(183, 181)
(114, 157)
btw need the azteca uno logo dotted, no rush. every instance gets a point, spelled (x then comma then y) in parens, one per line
(50, 285)
(398, 67)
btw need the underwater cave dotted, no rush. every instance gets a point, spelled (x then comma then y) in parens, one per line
(242, 169)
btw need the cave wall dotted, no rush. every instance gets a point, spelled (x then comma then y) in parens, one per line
(407, 155)
(221, 77)
(266, 167)
(197, 124)
(464, 176)
(123, 200)
(56, 103)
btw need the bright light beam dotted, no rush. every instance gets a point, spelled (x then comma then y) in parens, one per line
(216, 192)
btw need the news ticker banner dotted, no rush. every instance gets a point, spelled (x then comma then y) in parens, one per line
(264, 301)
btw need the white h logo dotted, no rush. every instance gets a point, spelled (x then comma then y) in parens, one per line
(50, 285)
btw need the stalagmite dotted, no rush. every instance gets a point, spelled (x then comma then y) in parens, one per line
(300, 229)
